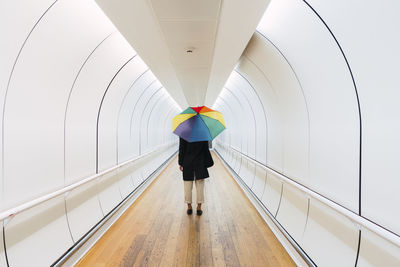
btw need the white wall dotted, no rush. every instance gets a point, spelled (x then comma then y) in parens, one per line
(324, 76)
(68, 80)
(373, 56)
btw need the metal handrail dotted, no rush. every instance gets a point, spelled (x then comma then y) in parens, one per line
(255, 198)
(32, 203)
(359, 220)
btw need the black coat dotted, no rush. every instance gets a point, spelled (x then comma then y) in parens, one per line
(195, 158)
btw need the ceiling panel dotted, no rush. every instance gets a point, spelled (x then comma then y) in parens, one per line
(189, 30)
(186, 9)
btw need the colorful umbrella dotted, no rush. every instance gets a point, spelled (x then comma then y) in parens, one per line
(198, 124)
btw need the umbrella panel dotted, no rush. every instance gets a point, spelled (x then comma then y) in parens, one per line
(214, 126)
(178, 119)
(184, 129)
(200, 131)
(197, 109)
(215, 115)
(205, 109)
(189, 110)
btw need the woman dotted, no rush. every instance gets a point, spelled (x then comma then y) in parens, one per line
(194, 159)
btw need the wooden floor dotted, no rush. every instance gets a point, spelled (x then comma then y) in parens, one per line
(156, 231)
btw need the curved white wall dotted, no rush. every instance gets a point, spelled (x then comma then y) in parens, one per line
(69, 85)
(313, 97)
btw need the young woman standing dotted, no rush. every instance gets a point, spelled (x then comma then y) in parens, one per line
(194, 159)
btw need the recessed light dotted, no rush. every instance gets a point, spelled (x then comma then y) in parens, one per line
(190, 49)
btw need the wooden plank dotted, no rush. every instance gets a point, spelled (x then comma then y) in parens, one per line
(133, 251)
(205, 239)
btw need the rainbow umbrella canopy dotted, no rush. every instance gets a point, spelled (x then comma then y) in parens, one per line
(196, 124)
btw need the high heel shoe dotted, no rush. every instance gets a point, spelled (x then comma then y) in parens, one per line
(189, 211)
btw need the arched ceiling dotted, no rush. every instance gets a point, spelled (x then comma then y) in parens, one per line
(191, 46)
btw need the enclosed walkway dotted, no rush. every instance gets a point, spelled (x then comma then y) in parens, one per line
(309, 92)
(156, 231)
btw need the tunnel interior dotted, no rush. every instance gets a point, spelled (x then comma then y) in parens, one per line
(312, 98)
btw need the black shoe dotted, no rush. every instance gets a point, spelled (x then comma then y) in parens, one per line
(189, 211)
(199, 212)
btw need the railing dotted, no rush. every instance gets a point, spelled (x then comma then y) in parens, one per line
(359, 220)
(32, 203)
